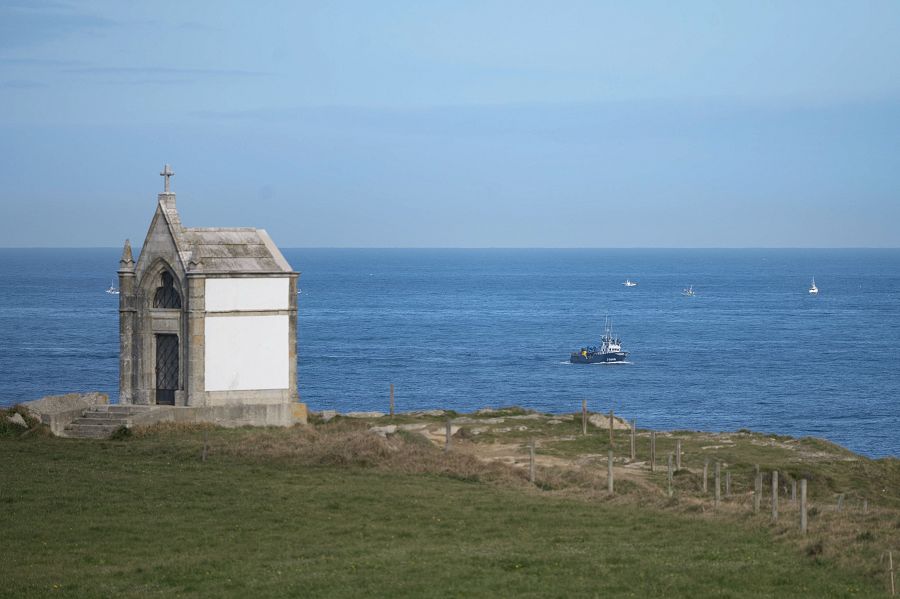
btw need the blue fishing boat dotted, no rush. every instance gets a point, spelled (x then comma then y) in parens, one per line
(610, 350)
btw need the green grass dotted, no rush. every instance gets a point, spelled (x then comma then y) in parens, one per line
(144, 517)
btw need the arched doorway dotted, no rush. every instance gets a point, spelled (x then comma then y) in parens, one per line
(166, 323)
(166, 368)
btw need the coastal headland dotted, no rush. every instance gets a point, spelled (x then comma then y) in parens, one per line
(373, 504)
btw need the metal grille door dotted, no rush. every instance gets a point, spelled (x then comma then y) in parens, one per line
(166, 368)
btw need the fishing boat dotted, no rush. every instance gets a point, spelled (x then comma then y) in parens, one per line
(630, 283)
(813, 290)
(112, 289)
(610, 350)
(688, 291)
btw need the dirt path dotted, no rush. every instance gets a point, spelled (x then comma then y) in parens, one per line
(517, 455)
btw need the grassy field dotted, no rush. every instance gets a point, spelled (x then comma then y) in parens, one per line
(337, 512)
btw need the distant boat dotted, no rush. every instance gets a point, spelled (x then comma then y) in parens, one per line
(630, 283)
(688, 292)
(112, 289)
(813, 290)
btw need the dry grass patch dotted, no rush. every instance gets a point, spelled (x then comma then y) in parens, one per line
(343, 443)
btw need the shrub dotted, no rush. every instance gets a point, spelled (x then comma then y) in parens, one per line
(121, 433)
(11, 429)
(815, 549)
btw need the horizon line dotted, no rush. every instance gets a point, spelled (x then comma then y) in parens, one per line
(495, 247)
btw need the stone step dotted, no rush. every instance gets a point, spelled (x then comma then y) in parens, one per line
(101, 421)
(117, 409)
(105, 415)
(91, 431)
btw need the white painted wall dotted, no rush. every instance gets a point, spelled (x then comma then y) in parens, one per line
(247, 352)
(243, 294)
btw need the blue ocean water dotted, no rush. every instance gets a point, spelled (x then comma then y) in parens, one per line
(465, 329)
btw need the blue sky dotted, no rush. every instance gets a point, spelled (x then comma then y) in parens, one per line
(455, 124)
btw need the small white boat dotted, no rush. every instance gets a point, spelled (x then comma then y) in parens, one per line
(688, 292)
(112, 289)
(813, 290)
(630, 283)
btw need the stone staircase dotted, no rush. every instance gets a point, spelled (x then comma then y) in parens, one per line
(99, 422)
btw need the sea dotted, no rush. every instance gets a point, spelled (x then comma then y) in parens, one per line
(463, 329)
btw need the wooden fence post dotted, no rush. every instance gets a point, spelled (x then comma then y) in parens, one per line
(775, 496)
(583, 416)
(633, 433)
(706, 475)
(718, 490)
(803, 521)
(728, 484)
(653, 451)
(531, 464)
(865, 506)
(840, 502)
(610, 427)
(757, 492)
(392, 400)
(205, 446)
(609, 472)
(677, 454)
(449, 436)
(891, 570)
(669, 476)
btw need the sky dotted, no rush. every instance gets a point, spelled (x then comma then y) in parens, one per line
(454, 124)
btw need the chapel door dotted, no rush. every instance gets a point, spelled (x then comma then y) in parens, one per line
(166, 369)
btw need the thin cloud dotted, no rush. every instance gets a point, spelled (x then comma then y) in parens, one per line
(196, 26)
(41, 62)
(163, 72)
(37, 4)
(261, 114)
(24, 24)
(21, 84)
(146, 81)
(113, 75)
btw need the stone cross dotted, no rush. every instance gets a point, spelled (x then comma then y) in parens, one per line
(167, 172)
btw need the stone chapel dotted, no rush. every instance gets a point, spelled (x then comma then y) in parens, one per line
(208, 323)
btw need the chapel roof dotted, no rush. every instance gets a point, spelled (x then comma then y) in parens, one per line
(232, 250)
(220, 250)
